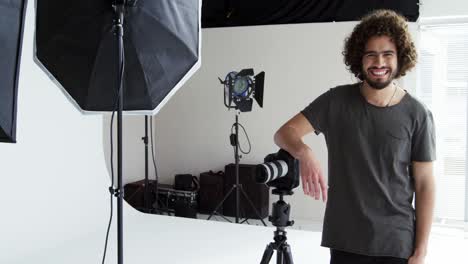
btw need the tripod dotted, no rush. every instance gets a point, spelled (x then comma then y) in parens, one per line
(279, 218)
(234, 138)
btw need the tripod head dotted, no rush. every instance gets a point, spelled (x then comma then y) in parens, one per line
(279, 218)
(280, 213)
(282, 192)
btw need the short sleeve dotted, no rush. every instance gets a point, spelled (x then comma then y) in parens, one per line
(423, 146)
(317, 112)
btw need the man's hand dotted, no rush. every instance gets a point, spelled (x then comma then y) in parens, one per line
(289, 138)
(313, 181)
(416, 259)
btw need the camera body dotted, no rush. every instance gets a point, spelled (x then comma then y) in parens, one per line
(280, 170)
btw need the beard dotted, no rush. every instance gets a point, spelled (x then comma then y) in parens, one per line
(378, 85)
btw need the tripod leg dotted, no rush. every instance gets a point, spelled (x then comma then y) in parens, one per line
(221, 203)
(252, 205)
(267, 254)
(287, 254)
(279, 256)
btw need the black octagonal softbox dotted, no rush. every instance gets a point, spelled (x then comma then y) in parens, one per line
(12, 13)
(74, 44)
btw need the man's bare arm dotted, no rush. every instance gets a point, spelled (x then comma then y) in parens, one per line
(424, 203)
(289, 137)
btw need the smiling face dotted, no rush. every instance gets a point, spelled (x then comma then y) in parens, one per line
(379, 62)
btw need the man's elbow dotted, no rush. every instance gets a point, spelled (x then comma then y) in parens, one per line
(277, 137)
(282, 135)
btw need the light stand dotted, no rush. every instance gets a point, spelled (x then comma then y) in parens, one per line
(146, 189)
(279, 218)
(148, 207)
(239, 87)
(237, 187)
(119, 36)
(119, 11)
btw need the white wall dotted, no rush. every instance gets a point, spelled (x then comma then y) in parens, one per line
(437, 8)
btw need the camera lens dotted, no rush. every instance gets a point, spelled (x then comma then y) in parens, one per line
(270, 171)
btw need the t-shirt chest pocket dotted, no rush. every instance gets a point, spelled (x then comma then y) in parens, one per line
(394, 143)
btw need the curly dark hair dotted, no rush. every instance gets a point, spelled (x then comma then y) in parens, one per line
(380, 23)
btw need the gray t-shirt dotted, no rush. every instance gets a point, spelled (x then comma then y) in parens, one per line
(369, 210)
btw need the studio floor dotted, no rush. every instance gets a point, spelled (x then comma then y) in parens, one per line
(162, 239)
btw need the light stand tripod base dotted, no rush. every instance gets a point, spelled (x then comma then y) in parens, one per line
(237, 187)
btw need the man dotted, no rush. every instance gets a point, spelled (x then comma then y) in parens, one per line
(375, 132)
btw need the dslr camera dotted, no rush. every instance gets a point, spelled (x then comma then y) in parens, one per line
(280, 170)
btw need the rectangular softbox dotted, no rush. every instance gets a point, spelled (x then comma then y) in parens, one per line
(12, 14)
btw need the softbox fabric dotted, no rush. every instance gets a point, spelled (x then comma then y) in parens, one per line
(12, 13)
(75, 44)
